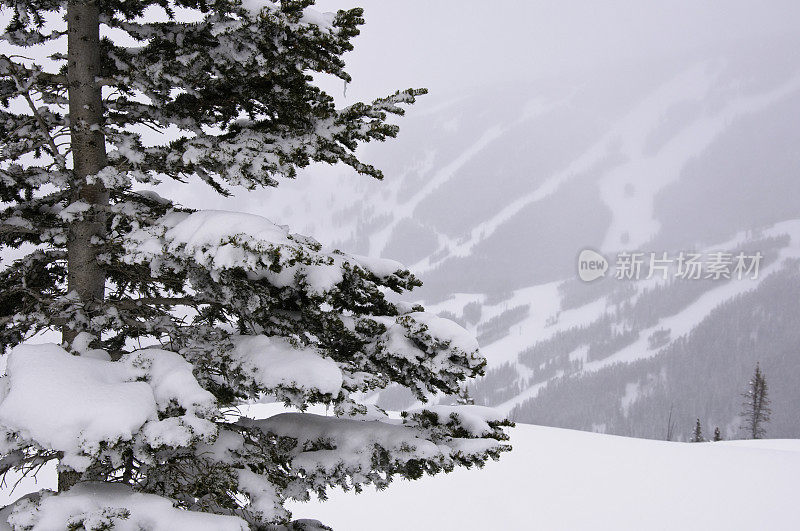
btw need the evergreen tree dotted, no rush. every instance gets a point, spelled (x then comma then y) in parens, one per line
(670, 425)
(755, 408)
(697, 434)
(171, 318)
(717, 434)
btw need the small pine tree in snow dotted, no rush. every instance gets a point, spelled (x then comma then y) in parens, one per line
(717, 434)
(755, 408)
(234, 308)
(697, 434)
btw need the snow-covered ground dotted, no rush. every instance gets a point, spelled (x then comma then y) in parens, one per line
(562, 479)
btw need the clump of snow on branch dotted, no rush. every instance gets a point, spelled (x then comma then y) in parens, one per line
(78, 405)
(96, 506)
(346, 451)
(274, 362)
(322, 20)
(477, 420)
(222, 240)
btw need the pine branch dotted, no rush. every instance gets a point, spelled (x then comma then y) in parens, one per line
(6, 228)
(158, 301)
(24, 91)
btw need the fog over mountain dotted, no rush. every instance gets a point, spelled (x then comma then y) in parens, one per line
(552, 129)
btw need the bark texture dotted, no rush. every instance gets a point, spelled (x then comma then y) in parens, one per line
(85, 275)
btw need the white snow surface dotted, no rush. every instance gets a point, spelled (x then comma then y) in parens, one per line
(559, 479)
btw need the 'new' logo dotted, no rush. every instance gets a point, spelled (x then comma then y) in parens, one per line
(591, 265)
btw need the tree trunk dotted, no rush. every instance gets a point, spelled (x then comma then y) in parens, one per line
(85, 276)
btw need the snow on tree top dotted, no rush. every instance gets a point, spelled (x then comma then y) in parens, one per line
(324, 21)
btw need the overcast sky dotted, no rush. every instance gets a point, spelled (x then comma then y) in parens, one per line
(445, 44)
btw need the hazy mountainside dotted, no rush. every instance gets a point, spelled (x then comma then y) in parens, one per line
(700, 375)
(513, 182)
(491, 194)
(623, 356)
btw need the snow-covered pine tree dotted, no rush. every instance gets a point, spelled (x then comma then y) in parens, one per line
(697, 434)
(717, 434)
(755, 408)
(171, 318)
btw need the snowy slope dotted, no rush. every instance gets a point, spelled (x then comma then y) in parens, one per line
(568, 480)
(559, 479)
